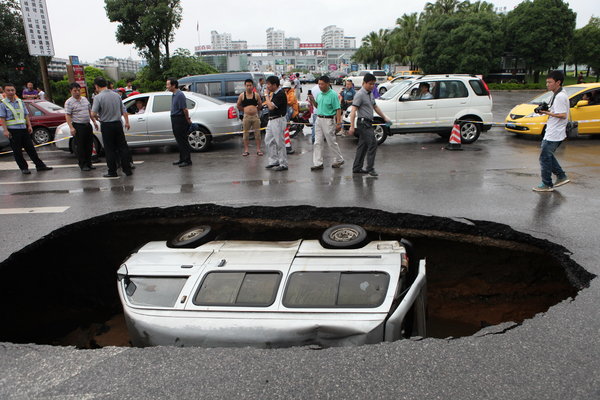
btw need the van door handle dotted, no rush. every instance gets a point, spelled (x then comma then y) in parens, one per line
(141, 119)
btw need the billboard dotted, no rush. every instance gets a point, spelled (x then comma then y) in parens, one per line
(37, 28)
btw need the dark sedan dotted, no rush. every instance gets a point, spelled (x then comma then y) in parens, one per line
(45, 118)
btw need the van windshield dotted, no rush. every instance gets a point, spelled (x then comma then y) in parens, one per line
(396, 88)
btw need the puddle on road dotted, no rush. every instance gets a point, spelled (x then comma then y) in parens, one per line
(62, 289)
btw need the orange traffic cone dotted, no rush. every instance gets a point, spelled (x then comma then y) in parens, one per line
(455, 142)
(287, 140)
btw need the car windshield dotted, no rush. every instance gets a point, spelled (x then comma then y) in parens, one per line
(545, 97)
(50, 107)
(396, 88)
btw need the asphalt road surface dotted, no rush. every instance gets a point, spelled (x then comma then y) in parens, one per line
(555, 355)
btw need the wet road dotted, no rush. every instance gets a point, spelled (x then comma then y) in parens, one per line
(555, 355)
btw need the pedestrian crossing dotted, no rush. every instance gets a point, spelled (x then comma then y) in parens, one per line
(33, 210)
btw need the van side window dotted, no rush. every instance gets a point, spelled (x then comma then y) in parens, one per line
(157, 291)
(234, 88)
(250, 289)
(336, 289)
(210, 89)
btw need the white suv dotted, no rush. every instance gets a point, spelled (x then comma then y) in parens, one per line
(357, 77)
(449, 98)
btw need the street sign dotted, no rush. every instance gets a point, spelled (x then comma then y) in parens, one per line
(37, 28)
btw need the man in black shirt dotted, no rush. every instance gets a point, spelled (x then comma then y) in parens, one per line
(276, 102)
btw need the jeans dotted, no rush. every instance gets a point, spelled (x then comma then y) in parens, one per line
(549, 163)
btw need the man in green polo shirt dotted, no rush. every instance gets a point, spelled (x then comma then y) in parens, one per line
(329, 121)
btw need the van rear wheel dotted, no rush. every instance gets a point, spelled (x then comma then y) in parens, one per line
(345, 236)
(191, 238)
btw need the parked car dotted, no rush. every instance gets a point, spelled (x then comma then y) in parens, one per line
(357, 76)
(226, 86)
(307, 78)
(584, 101)
(45, 118)
(339, 291)
(337, 77)
(465, 98)
(4, 141)
(215, 118)
(384, 87)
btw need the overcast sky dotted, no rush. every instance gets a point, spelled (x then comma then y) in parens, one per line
(245, 20)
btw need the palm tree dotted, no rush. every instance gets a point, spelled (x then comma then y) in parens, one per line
(373, 48)
(404, 39)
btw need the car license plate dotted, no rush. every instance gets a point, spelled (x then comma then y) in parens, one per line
(511, 126)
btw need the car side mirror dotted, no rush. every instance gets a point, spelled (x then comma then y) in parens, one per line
(582, 103)
(405, 97)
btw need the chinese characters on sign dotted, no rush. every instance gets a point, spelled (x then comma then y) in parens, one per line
(37, 28)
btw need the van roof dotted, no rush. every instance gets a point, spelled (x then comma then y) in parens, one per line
(223, 75)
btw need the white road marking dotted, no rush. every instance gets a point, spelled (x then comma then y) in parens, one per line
(57, 180)
(33, 210)
(12, 166)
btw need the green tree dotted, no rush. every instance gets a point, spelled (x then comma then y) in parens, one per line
(588, 41)
(16, 65)
(184, 63)
(373, 49)
(404, 39)
(461, 42)
(539, 33)
(149, 25)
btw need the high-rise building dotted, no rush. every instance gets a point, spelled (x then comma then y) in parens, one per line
(332, 37)
(292, 43)
(220, 41)
(239, 44)
(349, 42)
(275, 39)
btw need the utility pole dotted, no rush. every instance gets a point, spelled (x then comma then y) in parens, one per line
(45, 80)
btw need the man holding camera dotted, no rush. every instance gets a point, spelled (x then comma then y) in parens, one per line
(556, 131)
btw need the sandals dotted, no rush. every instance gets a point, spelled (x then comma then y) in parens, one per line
(245, 154)
(259, 153)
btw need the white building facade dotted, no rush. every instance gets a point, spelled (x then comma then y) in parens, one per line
(333, 37)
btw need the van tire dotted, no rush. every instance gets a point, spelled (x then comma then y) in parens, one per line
(345, 236)
(381, 133)
(191, 238)
(469, 132)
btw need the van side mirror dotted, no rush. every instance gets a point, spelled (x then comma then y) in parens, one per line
(405, 97)
(582, 103)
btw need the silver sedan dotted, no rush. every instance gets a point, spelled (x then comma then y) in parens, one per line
(217, 121)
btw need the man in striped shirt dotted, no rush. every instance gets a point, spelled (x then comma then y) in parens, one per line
(78, 115)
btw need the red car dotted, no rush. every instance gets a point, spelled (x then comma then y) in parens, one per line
(45, 117)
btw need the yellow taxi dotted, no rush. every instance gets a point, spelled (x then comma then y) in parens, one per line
(584, 101)
(405, 74)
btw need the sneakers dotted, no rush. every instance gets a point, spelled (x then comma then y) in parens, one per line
(272, 166)
(562, 181)
(542, 187)
(280, 168)
(337, 164)
(316, 167)
(372, 173)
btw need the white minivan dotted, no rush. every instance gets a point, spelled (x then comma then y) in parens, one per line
(432, 104)
(341, 290)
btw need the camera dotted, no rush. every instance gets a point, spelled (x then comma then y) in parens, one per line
(542, 107)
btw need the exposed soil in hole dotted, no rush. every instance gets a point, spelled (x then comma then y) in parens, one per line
(62, 288)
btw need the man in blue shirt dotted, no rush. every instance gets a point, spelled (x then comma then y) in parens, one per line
(180, 122)
(17, 127)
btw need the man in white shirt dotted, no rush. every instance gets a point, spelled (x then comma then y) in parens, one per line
(556, 132)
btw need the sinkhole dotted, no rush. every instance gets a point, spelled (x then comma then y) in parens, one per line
(62, 289)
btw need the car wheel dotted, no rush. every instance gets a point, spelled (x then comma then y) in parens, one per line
(382, 90)
(199, 140)
(346, 236)
(191, 238)
(40, 135)
(380, 133)
(469, 132)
